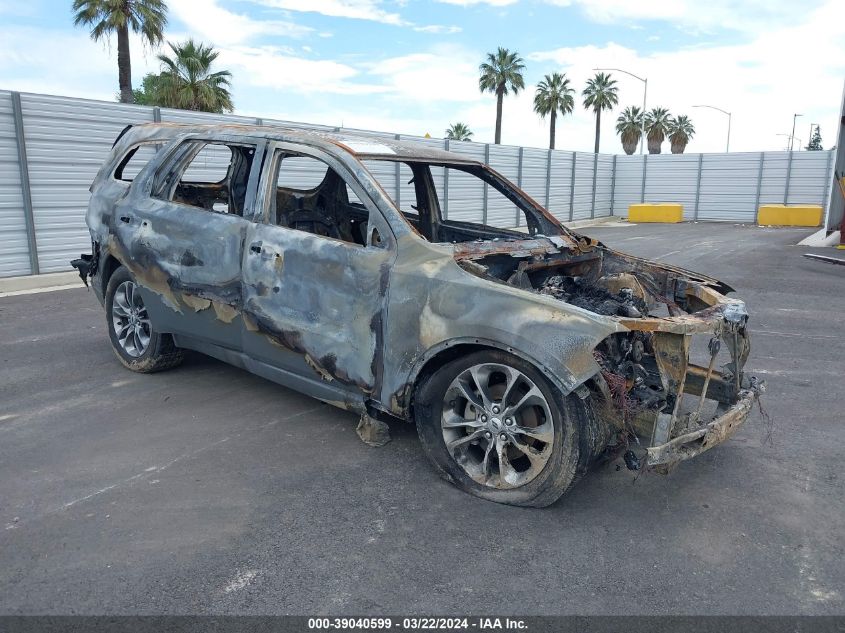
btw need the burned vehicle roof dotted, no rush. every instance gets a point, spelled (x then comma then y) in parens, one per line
(361, 146)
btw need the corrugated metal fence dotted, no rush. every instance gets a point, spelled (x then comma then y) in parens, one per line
(51, 148)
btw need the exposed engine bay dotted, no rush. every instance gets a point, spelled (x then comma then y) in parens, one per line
(645, 368)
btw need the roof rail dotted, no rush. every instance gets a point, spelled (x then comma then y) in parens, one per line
(122, 132)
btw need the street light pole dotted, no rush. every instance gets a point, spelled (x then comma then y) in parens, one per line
(794, 116)
(642, 136)
(645, 93)
(728, 143)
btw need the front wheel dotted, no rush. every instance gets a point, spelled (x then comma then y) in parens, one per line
(134, 341)
(493, 424)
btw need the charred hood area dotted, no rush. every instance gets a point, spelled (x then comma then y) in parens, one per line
(593, 277)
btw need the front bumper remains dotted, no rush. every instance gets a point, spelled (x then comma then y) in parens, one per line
(707, 436)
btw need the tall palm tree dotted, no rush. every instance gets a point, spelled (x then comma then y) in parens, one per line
(459, 132)
(680, 131)
(501, 73)
(657, 122)
(629, 125)
(147, 17)
(600, 94)
(553, 95)
(188, 83)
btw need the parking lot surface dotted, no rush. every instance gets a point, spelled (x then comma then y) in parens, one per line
(208, 490)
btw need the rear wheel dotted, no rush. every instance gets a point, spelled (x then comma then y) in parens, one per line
(493, 424)
(136, 344)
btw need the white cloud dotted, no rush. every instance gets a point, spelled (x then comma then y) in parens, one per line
(358, 9)
(743, 15)
(220, 27)
(445, 74)
(438, 29)
(271, 67)
(469, 3)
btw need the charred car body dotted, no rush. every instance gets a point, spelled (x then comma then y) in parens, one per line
(521, 355)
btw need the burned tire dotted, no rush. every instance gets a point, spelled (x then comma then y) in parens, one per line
(493, 425)
(135, 343)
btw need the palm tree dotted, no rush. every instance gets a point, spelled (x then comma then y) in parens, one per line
(680, 131)
(656, 127)
(600, 94)
(553, 95)
(630, 128)
(459, 132)
(147, 17)
(502, 72)
(188, 83)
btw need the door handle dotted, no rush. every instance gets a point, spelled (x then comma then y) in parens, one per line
(125, 218)
(255, 247)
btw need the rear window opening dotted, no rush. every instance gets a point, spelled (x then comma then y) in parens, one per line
(135, 159)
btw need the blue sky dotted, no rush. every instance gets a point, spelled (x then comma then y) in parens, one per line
(411, 66)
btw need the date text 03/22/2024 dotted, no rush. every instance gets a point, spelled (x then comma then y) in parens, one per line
(420, 624)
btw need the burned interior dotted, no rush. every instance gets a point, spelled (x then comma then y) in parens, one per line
(333, 264)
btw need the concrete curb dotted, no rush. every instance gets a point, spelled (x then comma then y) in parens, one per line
(580, 224)
(37, 282)
(820, 239)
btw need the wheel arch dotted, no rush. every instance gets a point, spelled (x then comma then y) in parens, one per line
(109, 264)
(446, 351)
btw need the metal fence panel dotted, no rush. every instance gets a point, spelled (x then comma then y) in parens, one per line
(561, 184)
(14, 248)
(534, 163)
(808, 178)
(773, 182)
(729, 187)
(466, 192)
(67, 141)
(169, 115)
(294, 125)
(671, 178)
(604, 185)
(583, 200)
(629, 174)
(501, 211)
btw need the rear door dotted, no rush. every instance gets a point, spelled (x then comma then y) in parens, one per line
(315, 272)
(181, 231)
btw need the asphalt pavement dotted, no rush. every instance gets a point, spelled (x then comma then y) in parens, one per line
(208, 490)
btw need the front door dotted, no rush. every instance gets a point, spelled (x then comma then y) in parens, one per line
(315, 273)
(183, 236)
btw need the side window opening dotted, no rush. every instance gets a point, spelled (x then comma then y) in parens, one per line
(422, 202)
(135, 160)
(405, 199)
(312, 197)
(210, 176)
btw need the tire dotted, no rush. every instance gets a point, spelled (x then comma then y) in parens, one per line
(149, 351)
(441, 410)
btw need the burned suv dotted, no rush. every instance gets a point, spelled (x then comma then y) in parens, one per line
(329, 263)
